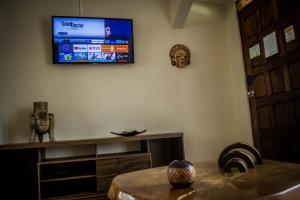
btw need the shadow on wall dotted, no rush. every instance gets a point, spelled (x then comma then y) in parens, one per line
(1, 129)
(45, 25)
(2, 76)
(19, 125)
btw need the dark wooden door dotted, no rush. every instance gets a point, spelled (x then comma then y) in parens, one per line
(270, 32)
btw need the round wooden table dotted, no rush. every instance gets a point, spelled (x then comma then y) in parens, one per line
(271, 181)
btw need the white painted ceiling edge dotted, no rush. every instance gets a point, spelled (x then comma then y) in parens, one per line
(179, 10)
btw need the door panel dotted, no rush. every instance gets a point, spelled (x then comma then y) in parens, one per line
(297, 108)
(267, 146)
(287, 7)
(287, 149)
(264, 116)
(268, 15)
(294, 70)
(260, 85)
(277, 81)
(252, 24)
(284, 117)
(275, 105)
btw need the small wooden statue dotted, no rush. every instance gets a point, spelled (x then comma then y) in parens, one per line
(42, 122)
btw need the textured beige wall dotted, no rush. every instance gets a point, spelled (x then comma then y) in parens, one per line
(1, 101)
(241, 114)
(92, 100)
(2, 22)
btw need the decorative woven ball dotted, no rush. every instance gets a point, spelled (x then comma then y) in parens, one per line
(181, 173)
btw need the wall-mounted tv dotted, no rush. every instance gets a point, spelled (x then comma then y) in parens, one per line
(92, 40)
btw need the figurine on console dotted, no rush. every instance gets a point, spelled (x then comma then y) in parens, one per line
(42, 122)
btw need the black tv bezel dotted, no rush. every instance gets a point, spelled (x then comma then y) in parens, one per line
(89, 63)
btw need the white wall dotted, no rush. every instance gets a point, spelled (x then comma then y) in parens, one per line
(1, 102)
(1, 105)
(241, 116)
(2, 21)
(92, 100)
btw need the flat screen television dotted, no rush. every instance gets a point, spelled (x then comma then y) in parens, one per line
(92, 40)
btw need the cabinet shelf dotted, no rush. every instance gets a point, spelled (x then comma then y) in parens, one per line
(112, 155)
(78, 196)
(68, 187)
(67, 178)
(67, 159)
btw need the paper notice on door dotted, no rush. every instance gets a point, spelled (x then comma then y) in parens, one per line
(270, 44)
(289, 34)
(254, 51)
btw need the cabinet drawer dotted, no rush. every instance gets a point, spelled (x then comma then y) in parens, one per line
(103, 197)
(145, 157)
(103, 183)
(134, 162)
(106, 161)
(107, 170)
(130, 168)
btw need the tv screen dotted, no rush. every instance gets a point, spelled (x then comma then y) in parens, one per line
(92, 40)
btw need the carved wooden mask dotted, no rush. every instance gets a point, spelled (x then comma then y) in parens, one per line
(180, 56)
